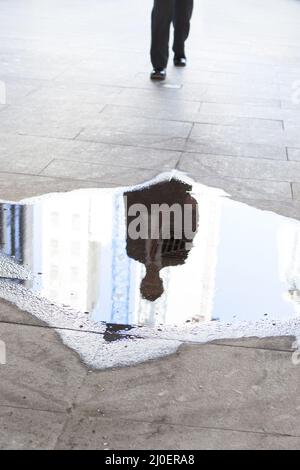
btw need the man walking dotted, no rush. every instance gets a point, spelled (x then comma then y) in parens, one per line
(163, 14)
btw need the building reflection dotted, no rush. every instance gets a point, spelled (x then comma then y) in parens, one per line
(12, 231)
(289, 261)
(165, 222)
(76, 246)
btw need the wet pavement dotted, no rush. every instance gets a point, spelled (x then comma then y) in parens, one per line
(230, 121)
(168, 253)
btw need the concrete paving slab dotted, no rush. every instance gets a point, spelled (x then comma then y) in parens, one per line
(28, 154)
(186, 113)
(284, 343)
(238, 135)
(194, 115)
(132, 125)
(27, 429)
(51, 119)
(248, 168)
(118, 155)
(14, 187)
(246, 110)
(114, 137)
(36, 374)
(252, 150)
(293, 153)
(296, 191)
(156, 408)
(102, 173)
(60, 91)
(18, 88)
(82, 432)
(257, 386)
(10, 314)
(236, 121)
(239, 188)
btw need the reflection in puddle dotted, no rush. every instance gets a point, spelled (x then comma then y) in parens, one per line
(159, 239)
(99, 264)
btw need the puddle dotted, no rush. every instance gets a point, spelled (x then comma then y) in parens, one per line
(124, 282)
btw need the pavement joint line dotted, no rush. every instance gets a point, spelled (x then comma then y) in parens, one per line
(153, 119)
(183, 342)
(8, 78)
(49, 163)
(213, 428)
(157, 100)
(242, 101)
(36, 175)
(114, 144)
(50, 327)
(184, 148)
(80, 131)
(262, 348)
(59, 435)
(192, 121)
(185, 151)
(178, 160)
(57, 328)
(67, 139)
(25, 134)
(206, 167)
(43, 410)
(159, 119)
(114, 184)
(67, 68)
(31, 92)
(71, 409)
(100, 112)
(159, 168)
(22, 134)
(59, 178)
(161, 136)
(74, 402)
(190, 133)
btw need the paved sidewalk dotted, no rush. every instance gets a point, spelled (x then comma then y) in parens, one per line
(80, 111)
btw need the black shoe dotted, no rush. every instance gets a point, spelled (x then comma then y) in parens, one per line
(158, 74)
(179, 61)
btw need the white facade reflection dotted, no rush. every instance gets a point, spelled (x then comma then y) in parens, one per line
(289, 261)
(245, 263)
(78, 245)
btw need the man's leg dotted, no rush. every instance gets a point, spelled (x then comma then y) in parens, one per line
(183, 10)
(162, 15)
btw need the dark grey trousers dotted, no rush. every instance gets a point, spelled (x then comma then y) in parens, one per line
(163, 14)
